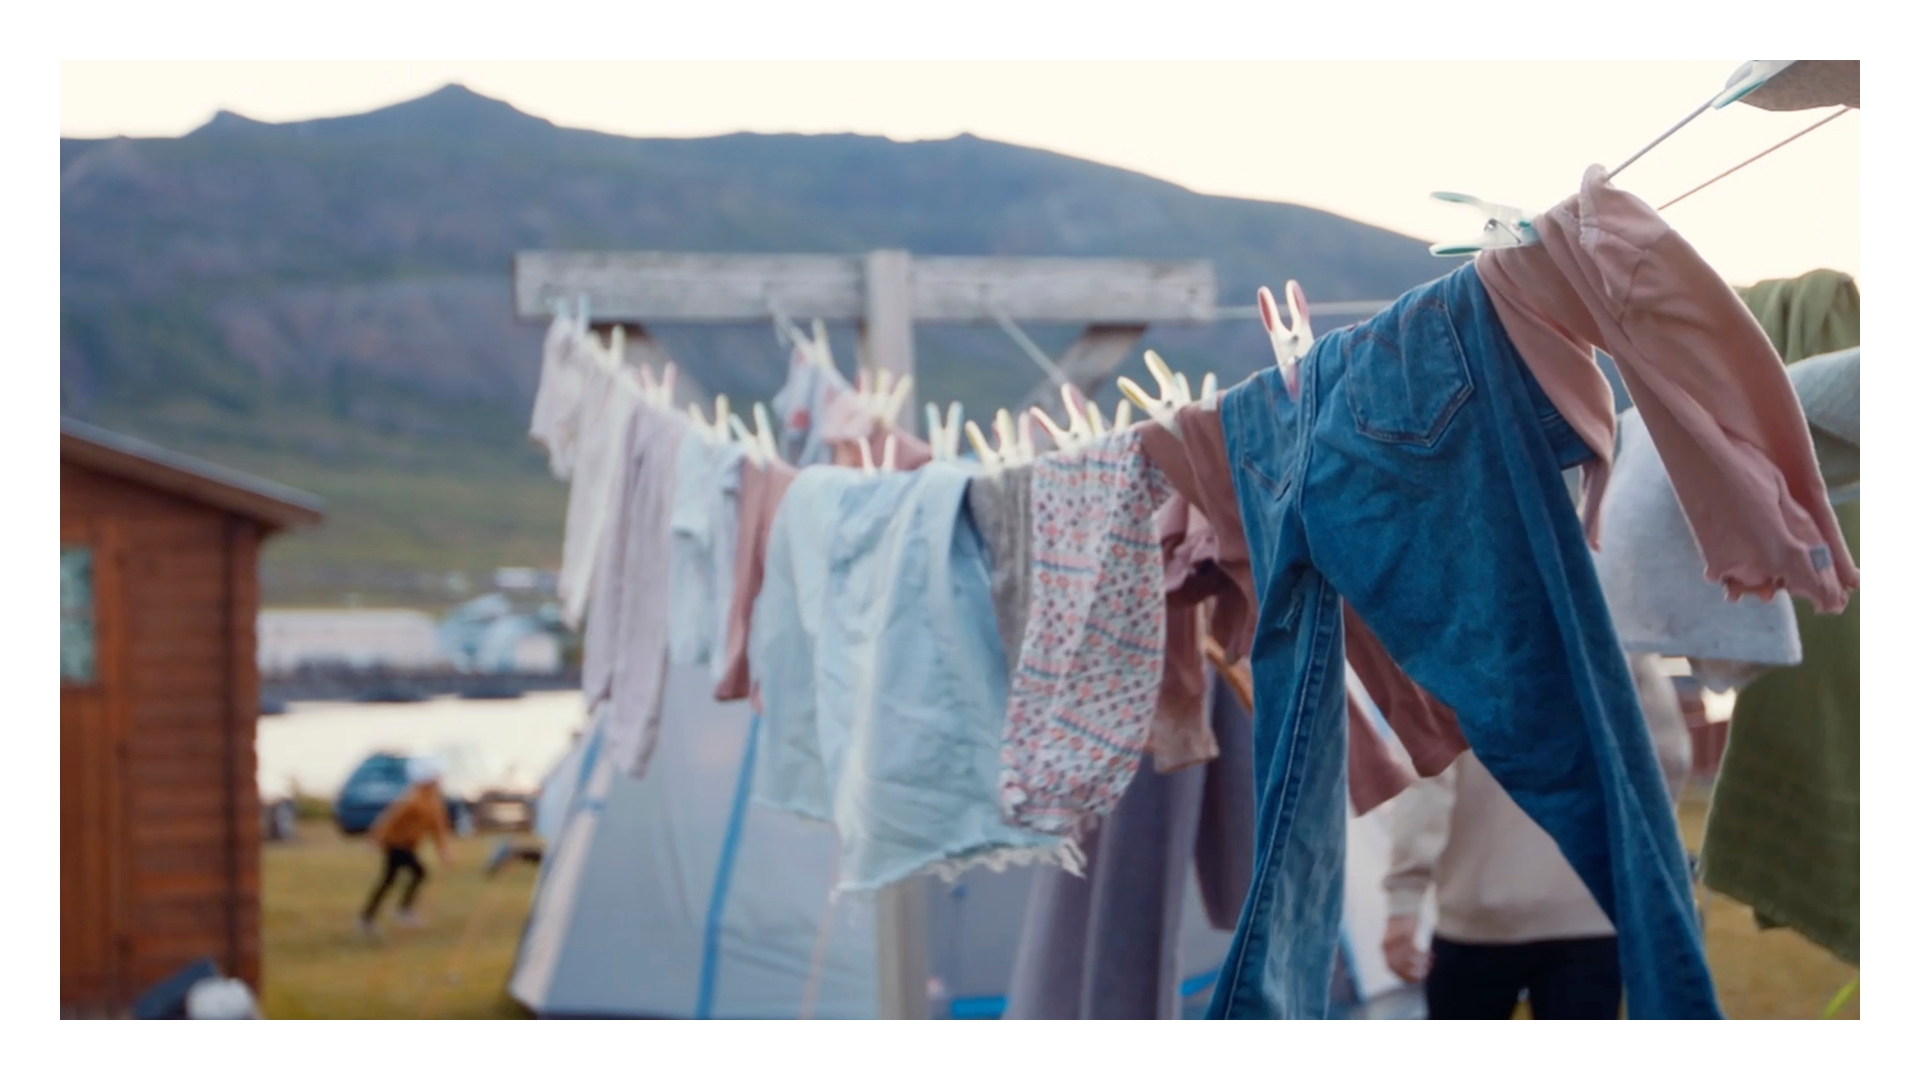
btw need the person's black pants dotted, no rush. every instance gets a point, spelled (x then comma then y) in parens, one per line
(398, 859)
(1567, 979)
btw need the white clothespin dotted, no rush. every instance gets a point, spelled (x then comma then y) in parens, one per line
(886, 457)
(1016, 437)
(1078, 432)
(759, 442)
(1174, 395)
(1063, 438)
(819, 349)
(657, 391)
(716, 432)
(990, 462)
(668, 374)
(1291, 339)
(1506, 226)
(1013, 442)
(879, 397)
(1097, 427)
(944, 438)
(1209, 392)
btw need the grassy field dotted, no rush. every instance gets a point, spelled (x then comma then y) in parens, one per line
(456, 966)
(318, 966)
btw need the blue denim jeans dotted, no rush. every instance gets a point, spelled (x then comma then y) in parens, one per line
(1419, 477)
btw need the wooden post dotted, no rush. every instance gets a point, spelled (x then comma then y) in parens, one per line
(900, 922)
(900, 926)
(887, 331)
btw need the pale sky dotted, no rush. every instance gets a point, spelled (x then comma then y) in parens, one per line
(1369, 140)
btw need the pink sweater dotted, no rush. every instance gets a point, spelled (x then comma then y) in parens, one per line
(1609, 273)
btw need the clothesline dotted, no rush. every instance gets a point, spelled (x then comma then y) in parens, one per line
(1040, 625)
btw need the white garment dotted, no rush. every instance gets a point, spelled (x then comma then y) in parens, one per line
(706, 527)
(557, 401)
(607, 405)
(1499, 878)
(1722, 676)
(624, 651)
(1654, 575)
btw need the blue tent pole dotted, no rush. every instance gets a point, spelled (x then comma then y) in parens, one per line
(723, 875)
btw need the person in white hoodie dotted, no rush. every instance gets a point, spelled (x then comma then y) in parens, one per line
(1513, 915)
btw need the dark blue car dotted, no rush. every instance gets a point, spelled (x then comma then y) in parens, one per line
(378, 781)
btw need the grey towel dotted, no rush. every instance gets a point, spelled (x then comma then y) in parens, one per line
(1223, 850)
(1002, 509)
(1105, 946)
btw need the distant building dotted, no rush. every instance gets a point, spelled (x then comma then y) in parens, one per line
(525, 579)
(396, 639)
(537, 654)
(159, 695)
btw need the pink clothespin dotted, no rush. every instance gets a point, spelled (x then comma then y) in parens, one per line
(1290, 340)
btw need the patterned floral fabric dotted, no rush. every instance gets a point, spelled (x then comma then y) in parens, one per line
(1088, 680)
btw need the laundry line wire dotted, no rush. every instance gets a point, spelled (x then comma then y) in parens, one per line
(1828, 119)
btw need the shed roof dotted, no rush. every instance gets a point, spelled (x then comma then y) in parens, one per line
(227, 489)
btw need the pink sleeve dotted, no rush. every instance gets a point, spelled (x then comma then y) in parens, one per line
(1374, 775)
(1714, 393)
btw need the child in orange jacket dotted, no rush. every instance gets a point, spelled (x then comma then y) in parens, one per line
(417, 815)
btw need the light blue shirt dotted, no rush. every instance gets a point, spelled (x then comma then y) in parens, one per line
(883, 687)
(706, 530)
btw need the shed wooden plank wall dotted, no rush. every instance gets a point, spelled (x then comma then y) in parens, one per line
(187, 697)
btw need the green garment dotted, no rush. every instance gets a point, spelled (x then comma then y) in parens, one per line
(1783, 832)
(1817, 312)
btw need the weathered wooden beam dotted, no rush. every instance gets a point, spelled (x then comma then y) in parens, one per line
(1088, 363)
(636, 286)
(960, 289)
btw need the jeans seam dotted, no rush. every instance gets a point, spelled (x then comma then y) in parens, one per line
(1290, 781)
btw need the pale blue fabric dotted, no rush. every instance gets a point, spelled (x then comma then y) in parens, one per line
(706, 528)
(787, 619)
(882, 682)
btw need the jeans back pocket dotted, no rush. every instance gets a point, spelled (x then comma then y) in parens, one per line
(1406, 373)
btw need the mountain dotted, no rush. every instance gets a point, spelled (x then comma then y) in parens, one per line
(327, 302)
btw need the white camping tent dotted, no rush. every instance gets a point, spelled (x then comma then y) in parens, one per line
(633, 915)
(674, 896)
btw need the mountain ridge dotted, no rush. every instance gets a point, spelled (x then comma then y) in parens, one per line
(329, 299)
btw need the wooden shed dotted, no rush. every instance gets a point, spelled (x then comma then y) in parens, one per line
(159, 694)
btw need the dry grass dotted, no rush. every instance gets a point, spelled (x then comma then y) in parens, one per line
(317, 966)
